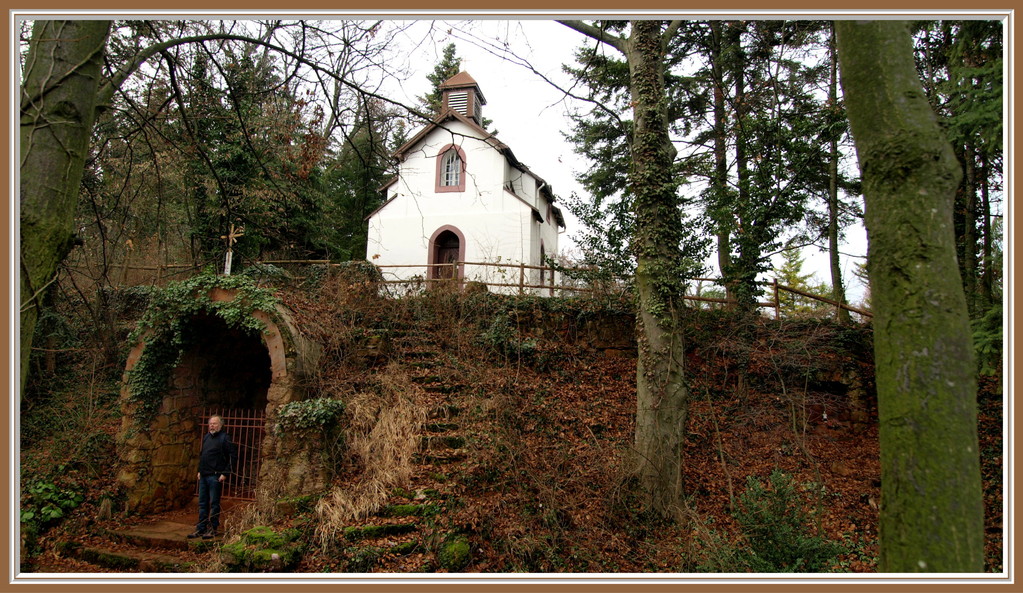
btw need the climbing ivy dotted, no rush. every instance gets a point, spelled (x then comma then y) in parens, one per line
(164, 330)
(310, 414)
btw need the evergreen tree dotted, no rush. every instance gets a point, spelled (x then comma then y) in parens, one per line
(450, 64)
(790, 274)
(756, 139)
(961, 62)
(352, 181)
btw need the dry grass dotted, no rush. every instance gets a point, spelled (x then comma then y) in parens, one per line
(383, 430)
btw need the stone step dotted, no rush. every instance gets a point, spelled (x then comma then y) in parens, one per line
(162, 534)
(439, 459)
(417, 352)
(125, 559)
(439, 442)
(444, 388)
(409, 510)
(370, 532)
(445, 412)
(442, 427)
(366, 558)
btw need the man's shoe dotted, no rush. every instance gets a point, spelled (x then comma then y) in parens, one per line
(209, 534)
(195, 534)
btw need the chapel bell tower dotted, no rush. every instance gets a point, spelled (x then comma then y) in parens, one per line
(462, 94)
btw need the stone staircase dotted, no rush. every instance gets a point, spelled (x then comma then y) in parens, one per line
(409, 534)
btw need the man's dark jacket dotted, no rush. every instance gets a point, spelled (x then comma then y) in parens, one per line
(218, 455)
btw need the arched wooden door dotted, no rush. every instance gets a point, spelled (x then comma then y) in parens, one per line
(445, 255)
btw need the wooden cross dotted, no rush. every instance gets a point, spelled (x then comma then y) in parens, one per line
(232, 238)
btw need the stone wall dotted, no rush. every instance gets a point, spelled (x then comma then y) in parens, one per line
(158, 462)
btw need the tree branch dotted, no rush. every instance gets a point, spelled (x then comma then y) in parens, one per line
(596, 33)
(668, 34)
(106, 92)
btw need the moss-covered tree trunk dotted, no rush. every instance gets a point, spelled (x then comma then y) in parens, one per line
(662, 406)
(662, 396)
(58, 105)
(932, 507)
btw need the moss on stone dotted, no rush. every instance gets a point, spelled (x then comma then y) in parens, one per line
(374, 531)
(454, 553)
(297, 504)
(263, 549)
(404, 549)
(410, 510)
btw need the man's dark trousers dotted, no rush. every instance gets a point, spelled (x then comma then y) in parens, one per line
(210, 488)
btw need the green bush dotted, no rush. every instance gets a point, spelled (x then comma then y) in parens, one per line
(775, 526)
(44, 504)
(310, 414)
(504, 339)
(987, 340)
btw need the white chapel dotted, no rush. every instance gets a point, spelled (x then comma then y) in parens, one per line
(462, 206)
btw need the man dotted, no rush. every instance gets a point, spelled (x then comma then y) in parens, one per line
(217, 459)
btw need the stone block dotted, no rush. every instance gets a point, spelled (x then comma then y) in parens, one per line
(128, 478)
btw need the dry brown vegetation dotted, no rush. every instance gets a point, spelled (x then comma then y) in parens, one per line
(542, 480)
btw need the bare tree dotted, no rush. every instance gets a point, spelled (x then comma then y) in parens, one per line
(72, 71)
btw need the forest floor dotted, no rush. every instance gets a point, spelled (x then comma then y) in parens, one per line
(545, 486)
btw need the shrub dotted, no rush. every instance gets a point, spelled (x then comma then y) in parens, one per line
(310, 414)
(774, 525)
(987, 340)
(504, 339)
(44, 504)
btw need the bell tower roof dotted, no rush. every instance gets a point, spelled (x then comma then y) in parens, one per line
(462, 93)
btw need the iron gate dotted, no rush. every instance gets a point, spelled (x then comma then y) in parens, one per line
(245, 427)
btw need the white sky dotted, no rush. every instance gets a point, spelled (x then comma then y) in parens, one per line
(530, 114)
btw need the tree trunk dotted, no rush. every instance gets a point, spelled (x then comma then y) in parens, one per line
(969, 263)
(724, 245)
(837, 289)
(58, 106)
(932, 515)
(987, 285)
(742, 279)
(662, 396)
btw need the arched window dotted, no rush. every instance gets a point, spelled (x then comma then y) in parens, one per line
(451, 169)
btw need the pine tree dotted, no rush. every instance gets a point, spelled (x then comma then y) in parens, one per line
(791, 274)
(450, 64)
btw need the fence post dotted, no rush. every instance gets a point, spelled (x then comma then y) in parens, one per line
(522, 278)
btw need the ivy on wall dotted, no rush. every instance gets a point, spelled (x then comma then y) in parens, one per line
(165, 330)
(311, 414)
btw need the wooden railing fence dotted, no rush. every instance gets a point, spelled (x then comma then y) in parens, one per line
(521, 275)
